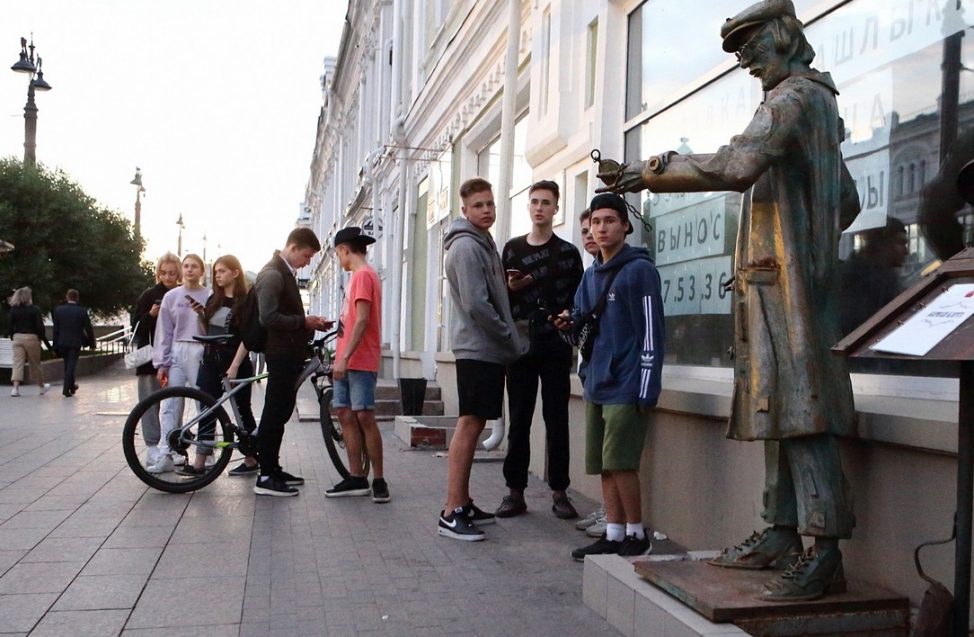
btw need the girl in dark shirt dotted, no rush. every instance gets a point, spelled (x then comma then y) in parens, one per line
(229, 359)
(144, 324)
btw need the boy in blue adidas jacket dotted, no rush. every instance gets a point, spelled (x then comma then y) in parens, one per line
(622, 378)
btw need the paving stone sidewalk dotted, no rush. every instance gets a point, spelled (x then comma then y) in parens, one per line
(86, 549)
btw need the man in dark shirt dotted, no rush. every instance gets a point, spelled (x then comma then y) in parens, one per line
(543, 272)
(72, 331)
(288, 333)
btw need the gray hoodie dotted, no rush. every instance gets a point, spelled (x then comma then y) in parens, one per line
(483, 328)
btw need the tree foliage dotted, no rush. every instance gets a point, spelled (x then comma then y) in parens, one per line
(65, 240)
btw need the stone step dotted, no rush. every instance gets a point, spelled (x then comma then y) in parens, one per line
(389, 390)
(393, 407)
(385, 409)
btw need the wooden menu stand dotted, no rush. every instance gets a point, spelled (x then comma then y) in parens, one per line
(957, 347)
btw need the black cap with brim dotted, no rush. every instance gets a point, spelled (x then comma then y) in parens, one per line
(614, 202)
(353, 234)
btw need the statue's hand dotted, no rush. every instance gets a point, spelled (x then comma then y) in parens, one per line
(629, 179)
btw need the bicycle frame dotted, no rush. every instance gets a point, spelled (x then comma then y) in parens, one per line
(318, 366)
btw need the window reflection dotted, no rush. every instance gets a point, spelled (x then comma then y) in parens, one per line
(907, 100)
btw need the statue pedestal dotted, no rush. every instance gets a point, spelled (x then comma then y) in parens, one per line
(729, 595)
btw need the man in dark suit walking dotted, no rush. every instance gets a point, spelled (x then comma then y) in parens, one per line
(72, 331)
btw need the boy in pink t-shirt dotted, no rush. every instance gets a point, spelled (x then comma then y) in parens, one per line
(356, 368)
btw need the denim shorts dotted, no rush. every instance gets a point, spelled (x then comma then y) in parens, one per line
(356, 390)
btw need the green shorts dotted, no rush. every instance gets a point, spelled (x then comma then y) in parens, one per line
(614, 437)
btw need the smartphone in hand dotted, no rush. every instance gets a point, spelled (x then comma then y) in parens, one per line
(193, 303)
(515, 274)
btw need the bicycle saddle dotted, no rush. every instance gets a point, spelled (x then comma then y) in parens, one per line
(212, 339)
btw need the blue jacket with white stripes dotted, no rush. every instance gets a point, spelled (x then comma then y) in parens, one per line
(627, 358)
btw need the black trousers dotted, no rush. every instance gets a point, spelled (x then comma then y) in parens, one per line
(552, 366)
(70, 355)
(279, 398)
(216, 362)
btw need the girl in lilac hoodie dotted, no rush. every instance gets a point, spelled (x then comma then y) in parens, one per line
(174, 352)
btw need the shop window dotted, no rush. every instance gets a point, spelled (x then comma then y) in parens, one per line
(591, 57)
(889, 63)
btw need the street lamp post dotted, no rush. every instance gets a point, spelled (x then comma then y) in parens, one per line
(26, 64)
(137, 182)
(206, 268)
(179, 241)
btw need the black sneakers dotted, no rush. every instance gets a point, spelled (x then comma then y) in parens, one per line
(512, 505)
(380, 491)
(601, 546)
(350, 486)
(631, 546)
(289, 480)
(243, 470)
(457, 526)
(477, 515)
(273, 485)
(562, 506)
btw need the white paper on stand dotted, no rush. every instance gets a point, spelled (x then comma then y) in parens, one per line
(931, 324)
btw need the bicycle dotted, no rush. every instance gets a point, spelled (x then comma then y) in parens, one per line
(209, 426)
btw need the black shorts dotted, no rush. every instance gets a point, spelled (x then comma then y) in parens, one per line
(481, 388)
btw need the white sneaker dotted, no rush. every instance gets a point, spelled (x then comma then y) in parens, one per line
(163, 465)
(151, 455)
(15, 391)
(597, 529)
(178, 459)
(44, 388)
(592, 518)
(210, 460)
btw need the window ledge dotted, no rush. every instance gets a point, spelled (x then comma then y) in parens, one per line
(925, 418)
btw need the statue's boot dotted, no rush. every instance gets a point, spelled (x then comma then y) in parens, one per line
(818, 571)
(774, 547)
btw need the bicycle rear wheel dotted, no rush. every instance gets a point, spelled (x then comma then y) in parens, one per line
(219, 433)
(331, 431)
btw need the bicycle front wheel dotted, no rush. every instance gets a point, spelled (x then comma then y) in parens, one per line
(331, 431)
(191, 434)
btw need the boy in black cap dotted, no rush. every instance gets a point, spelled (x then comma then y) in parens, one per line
(357, 357)
(621, 377)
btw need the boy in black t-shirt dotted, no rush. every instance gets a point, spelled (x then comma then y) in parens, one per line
(543, 272)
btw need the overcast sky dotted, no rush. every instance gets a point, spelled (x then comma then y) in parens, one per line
(216, 100)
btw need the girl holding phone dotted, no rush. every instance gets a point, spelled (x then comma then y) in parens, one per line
(175, 354)
(144, 319)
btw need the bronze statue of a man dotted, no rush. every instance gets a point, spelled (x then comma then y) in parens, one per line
(789, 390)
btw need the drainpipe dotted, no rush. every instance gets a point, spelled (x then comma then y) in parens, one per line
(503, 194)
(399, 136)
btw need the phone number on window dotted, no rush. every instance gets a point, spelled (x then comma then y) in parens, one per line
(696, 287)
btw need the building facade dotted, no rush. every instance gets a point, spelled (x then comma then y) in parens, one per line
(427, 93)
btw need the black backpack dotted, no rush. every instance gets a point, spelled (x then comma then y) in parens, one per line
(252, 333)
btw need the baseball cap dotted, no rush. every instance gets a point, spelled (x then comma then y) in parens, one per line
(615, 202)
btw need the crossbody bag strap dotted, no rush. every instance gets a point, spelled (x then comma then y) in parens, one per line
(604, 298)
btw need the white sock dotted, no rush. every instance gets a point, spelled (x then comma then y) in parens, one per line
(615, 532)
(637, 530)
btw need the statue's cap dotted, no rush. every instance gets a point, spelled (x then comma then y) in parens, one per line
(734, 30)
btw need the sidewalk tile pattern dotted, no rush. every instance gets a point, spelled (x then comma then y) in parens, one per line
(87, 549)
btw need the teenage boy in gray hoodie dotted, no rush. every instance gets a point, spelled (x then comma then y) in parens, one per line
(484, 342)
